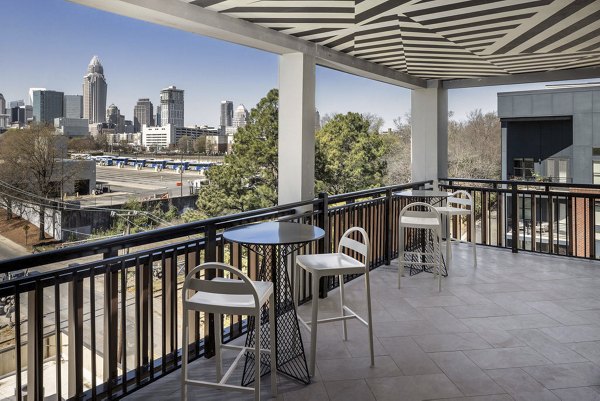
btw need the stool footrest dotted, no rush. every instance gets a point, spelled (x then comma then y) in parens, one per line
(221, 386)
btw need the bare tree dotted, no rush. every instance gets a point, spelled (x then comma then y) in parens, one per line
(34, 156)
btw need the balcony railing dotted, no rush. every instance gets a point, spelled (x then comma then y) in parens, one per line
(99, 320)
(551, 218)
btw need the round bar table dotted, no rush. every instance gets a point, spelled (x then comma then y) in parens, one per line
(274, 242)
(433, 197)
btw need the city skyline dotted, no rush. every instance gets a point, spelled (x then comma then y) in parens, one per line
(208, 70)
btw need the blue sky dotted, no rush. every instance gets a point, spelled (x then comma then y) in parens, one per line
(49, 43)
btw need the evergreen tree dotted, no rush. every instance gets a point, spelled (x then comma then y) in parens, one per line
(248, 177)
(349, 154)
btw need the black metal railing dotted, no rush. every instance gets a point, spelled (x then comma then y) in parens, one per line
(99, 320)
(544, 217)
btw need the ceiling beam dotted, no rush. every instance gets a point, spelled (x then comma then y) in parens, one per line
(546, 76)
(191, 18)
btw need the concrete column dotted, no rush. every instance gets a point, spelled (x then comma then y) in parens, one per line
(429, 143)
(296, 127)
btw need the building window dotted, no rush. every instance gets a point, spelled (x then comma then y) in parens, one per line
(523, 168)
(596, 172)
(557, 170)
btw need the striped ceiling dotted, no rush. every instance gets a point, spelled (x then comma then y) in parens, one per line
(439, 39)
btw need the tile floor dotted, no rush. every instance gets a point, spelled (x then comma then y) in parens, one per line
(519, 327)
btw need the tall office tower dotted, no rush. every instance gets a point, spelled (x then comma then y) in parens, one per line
(112, 115)
(73, 106)
(158, 119)
(47, 105)
(31, 90)
(2, 104)
(3, 115)
(240, 117)
(94, 92)
(171, 106)
(142, 114)
(317, 120)
(226, 113)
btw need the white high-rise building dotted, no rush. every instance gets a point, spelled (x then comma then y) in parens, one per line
(240, 116)
(94, 93)
(171, 106)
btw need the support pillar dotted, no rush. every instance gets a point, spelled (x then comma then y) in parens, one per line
(429, 139)
(296, 127)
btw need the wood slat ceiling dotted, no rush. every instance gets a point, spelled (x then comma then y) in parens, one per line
(439, 39)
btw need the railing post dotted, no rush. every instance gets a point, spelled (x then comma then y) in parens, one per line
(325, 243)
(75, 345)
(515, 218)
(591, 228)
(35, 346)
(210, 255)
(143, 299)
(111, 324)
(388, 226)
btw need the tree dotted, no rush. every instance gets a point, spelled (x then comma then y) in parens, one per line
(34, 156)
(349, 154)
(185, 144)
(398, 156)
(248, 177)
(82, 144)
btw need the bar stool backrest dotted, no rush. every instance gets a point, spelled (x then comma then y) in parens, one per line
(361, 248)
(456, 201)
(242, 286)
(427, 211)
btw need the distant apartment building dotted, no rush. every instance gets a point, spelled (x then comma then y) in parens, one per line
(73, 106)
(169, 135)
(94, 92)
(172, 106)
(4, 116)
(72, 127)
(143, 114)
(552, 133)
(47, 105)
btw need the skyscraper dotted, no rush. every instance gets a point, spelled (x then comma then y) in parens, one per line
(2, 104)
(94, 92)
(171, 106)
(240, 117)
(142, 114)
(47, 105)
(158, 119)
(226, 113)
(73, 106)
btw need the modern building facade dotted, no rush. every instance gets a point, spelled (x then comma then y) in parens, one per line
(157, 119)
(112, 114)
(47, 105)
(226, 114)
(72, 127)
(73, 106)
(4, 116)
(552, 134)
(94, 92)
(172, 106)
(143, 114)
(2, 104)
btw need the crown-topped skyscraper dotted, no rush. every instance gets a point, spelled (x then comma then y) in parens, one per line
(94, 93)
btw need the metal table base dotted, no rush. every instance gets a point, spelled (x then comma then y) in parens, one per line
(291, 359)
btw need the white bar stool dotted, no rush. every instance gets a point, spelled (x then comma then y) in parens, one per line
(336, 264)
(458, 206)
(232, 297)
(428, 218)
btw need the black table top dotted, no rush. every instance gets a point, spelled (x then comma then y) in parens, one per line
(273, 233)
(423, 193)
